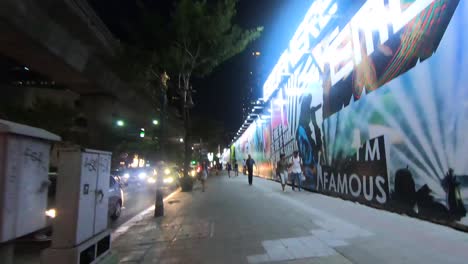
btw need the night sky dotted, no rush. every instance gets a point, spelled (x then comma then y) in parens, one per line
(219, 96)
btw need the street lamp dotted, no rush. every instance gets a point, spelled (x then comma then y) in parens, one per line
(155, 122)
(181, 140)
(120, 123)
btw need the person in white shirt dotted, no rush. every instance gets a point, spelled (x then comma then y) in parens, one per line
(296, 171)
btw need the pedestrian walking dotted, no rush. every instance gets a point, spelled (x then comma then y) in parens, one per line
(296, 170)
(282, 170)
(229, 168)
(236, 168)
(204, 175)
(249, 163)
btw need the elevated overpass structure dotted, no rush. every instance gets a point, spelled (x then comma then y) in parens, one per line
(66, 41)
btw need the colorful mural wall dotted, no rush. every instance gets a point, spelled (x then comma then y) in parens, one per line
(256, 141)
(376, 101)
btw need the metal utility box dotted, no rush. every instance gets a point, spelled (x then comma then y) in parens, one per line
(80, 233)
(24, 167)
(82, 202)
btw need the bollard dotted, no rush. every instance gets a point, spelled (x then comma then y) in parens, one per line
(159, 203)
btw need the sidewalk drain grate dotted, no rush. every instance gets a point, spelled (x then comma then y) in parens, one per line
(173, 201)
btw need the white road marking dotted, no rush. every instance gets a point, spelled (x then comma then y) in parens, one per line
(124, 227)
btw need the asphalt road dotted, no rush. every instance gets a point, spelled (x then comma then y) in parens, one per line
(136, 199)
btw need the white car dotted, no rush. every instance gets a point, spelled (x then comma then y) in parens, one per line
(115, 199)
(115, 194)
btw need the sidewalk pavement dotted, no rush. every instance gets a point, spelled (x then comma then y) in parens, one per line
(233, 222)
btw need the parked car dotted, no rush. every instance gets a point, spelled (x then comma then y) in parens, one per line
(116, 198)
(116, 202)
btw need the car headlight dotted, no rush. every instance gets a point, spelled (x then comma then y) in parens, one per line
(151, 180)
(52, 213)
(142, 176)
(168, 180)
(167, 171)
(126, 175)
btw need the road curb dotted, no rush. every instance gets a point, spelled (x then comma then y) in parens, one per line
(127, 225)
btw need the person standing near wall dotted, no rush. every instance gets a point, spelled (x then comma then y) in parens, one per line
(282, 170)
(236, 168)
(296, 170)
(249, 163)
(229, 168)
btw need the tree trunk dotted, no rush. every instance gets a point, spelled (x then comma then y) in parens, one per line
(187, 142)
(186, 83)
(159, 201)
(187, 179)
(163, 125)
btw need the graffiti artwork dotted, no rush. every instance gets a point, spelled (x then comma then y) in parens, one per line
(361, 177)
(375, 101)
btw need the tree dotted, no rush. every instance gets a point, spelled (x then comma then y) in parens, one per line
(198, 38)
(137, 66)
(201, 37)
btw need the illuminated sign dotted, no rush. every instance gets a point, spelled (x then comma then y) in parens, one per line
(311, 26)
(341, 48)
(210, 156)
(344, 52)
(135, 162)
